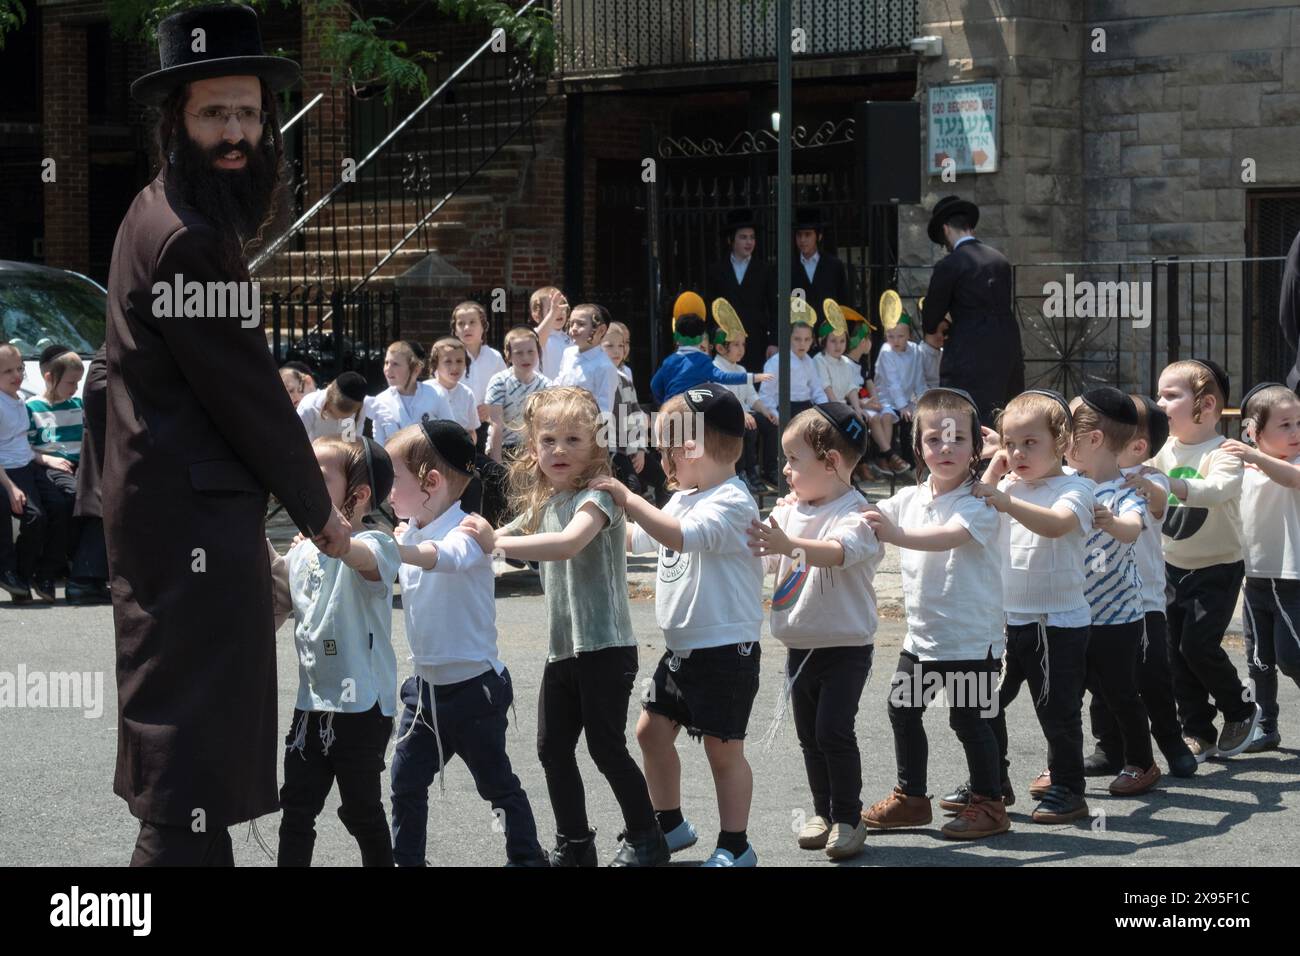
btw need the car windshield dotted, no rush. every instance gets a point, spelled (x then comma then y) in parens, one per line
(39, 310)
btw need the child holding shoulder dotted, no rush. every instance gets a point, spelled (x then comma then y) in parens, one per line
(508, 391)
(1203, 559)
(343, 614)
(1104, 422)
(1270, 529)
(579, 536)
(1047, 516)
(456, 702)
(690, 365)
(469, 324)
(708, 602)
(948, 557)
(824, 554)
(636, 464)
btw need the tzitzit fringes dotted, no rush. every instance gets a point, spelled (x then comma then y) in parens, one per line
(774, 726)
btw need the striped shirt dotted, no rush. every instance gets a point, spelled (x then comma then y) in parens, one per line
(55, 429)
(506, 390)
(1113, 586)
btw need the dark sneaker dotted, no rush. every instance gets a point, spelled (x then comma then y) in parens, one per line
(86, 594)
(1263, 740)
(1180, 759)
(1236, 734)
(44, 591)
(1060, 805)
(642, 849)
(574, 852)
(957, 800)
(1097, 764)
(11, 582)
(535, 862)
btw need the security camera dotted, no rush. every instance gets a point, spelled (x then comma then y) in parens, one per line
(928, 46)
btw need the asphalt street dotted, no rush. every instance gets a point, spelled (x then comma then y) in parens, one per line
(56, 769)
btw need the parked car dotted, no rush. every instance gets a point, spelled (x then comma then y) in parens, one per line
(41, 306)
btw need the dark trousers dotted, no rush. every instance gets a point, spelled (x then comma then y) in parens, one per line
(651, 476)
(1272, 616)
(1053, 661)
(768, 444)
(89, 555)
(161, 844)
(984, 356)
(589, 693)
(470, 717)
(486, 493)
(1112, 676)
(970, 716)
(824, 698)
(1200, 606)
(42, 546)
(1156, 688)
(348, 748)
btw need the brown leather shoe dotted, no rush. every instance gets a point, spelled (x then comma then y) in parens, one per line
(1040, 785)
(896, 811)
(1133, 780)
(981, 817)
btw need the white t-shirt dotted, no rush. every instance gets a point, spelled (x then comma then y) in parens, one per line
(451, 616)
(746, 394)
(557, 343)
(593, 371)
(15, 449)
(309, 411)
(805, 383)
(900, 377)
(1270, 526)
(1044, 576)
(343, 628)
(1113, 588)
(464, 409)
(1150, 552)
(953, 598)
(710, 593)
(841, 375)
(826, 607)
(481, 370)
(394, 411)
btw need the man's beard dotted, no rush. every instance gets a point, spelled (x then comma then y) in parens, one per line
(235, 201)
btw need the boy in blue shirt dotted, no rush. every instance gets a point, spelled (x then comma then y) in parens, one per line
(691, 365)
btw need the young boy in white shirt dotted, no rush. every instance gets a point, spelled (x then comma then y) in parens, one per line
(549, 311)
(708, 677)
(585, 363)
(469, 324)
(806, 388)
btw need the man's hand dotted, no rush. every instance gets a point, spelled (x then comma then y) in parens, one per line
(336, 537)
(478, 528)
(616, 489)
(767, 538)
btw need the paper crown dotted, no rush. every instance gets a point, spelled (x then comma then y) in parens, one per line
(835, 319)
(729, 324)
(688, 303)
(801, 313)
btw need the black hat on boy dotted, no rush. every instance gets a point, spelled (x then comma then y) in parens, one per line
(721, 409)
(353, 385)
(1110, 401)
(846, 423)
(1220, 376)
(379, 468)
(1157, 424)
(452, 444)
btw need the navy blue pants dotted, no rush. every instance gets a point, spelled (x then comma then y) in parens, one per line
(471, 721)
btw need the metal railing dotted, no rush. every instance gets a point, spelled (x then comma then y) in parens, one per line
(363, 322)
(604, 36)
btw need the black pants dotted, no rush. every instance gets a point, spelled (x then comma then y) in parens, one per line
(319, 749)
(972, 696)
(89, 554)
(1200, 606)
(1272, 616)
(161, 844)
(1053, 661)
(1112, 676)
(486, 493)
(589, 694)
(1155, 686)
(983, 355)
(651, 476)
(824, 699)
(42, 546)
(768, 444)
(470, 717)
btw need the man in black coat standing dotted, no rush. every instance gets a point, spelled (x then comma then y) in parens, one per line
(1288, 314)
(749, 284)
(819, 274)
(971, 288)
(199, 429)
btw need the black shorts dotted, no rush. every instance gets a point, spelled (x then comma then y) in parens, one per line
(709, 693)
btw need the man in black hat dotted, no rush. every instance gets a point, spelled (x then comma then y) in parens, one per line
(749, 284)
(199, 429)
(971, 289)
(819, 274)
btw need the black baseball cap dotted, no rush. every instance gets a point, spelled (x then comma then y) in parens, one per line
(721, 409)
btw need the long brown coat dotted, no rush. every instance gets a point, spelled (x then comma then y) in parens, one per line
(199, 430)
(90, 468)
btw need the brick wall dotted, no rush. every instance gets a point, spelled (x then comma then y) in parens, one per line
(66, 201)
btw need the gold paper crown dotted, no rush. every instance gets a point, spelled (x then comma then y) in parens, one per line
(688, 303)
(801, 312)
(891, 309)
(834, 318)
(729, 325)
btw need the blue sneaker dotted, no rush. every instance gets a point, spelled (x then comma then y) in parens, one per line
(681, 837)
(723, 857)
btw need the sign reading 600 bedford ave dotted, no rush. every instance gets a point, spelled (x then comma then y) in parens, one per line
(963, 128)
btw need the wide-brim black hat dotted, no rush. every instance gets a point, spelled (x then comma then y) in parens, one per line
(231, 46)
(946, 208)
(807, 217)
(739, 219)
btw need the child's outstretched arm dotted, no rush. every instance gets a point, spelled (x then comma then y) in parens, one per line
(768, 539)
(1125, 528)
(361, 560)
(944, 537)
(1055, 522)
(556, 545)
(665, 529)
(455, 552)
(1278, 469)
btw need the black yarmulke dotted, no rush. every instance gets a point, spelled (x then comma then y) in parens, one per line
(1157, 425)
(845, 422)
(1219, 374)
(353, 385)
(1110, 401)
(1245, 400)
(452, 443)
(380, 467)
(1054, 396)
(721, 409)
(50, 353)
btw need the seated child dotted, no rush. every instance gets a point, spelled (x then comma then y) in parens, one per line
(690, 364)
(56, 420)
(760, 421)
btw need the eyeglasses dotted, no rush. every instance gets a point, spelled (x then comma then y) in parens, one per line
(216, 117)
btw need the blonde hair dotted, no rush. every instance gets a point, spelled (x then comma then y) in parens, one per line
(537, 301)
(519, 334)
(404, 350)
(567, 406)
(411, 446)
(355, 473)
(1263, 405)
(445, 346)
(1203, 385)
(60, 365)
(1034, 405)
(622, 330)
(671, 433)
